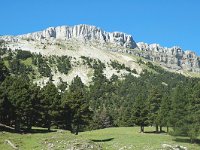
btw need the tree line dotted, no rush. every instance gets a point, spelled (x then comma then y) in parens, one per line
(24, 105)
(161, 99)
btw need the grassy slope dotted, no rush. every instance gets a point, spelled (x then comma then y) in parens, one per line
(111, 139)
(27, 62)
(6, 64)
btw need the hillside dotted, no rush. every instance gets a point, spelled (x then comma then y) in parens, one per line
(78, 66)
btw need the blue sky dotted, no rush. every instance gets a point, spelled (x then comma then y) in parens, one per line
(167, 22)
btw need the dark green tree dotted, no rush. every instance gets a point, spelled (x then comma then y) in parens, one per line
(23, 54)
(193, 116)
(3, 71)
(164, 112)
(141, 112)
(33, 112)
(75, 100)
(51, 104)
(154, 101)
(17, 91)
(5, 108)
(179, 112)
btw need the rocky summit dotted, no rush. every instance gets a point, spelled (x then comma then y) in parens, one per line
(80, 32)
(173, 58)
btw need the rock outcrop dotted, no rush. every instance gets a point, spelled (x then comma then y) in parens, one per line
(174, 57)
(171, 147)
(82, 32)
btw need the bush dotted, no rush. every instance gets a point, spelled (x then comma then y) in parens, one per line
(23, 54)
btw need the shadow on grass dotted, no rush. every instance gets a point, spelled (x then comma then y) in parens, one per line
(103, 140)
(184, 140)
(25, 131)
(4, 129)
(154, 132)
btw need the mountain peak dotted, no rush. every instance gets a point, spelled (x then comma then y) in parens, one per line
(173, 58)
(84, 33)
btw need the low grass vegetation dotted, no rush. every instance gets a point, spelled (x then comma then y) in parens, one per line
(27, 62)
(111, 139)
(6, 63)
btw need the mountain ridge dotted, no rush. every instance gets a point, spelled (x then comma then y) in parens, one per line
(173, 58)
(82, 32)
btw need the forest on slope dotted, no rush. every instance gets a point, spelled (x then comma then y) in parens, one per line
(157, 97)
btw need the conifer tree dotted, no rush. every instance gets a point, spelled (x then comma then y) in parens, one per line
(50, 101)
(193, 116)
(17, 90)
(141, 112)
(179, 112)
(75, 100)
(164, 112)
(154, 101)
(3, 71)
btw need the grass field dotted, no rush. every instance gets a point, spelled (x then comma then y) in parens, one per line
(110, 139)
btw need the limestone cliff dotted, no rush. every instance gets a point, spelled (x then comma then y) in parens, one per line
(84, 33)
(174, 57)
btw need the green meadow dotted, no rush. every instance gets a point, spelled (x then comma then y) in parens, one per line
(107, 139)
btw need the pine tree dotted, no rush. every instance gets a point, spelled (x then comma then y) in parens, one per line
(17, 90)
(3, 71)
(141, 112)
(193, 116)
(51, 103)
(33, 113)
(154, 101)
(164, 112)
(179, 110)
(5, 108)
(75, 100)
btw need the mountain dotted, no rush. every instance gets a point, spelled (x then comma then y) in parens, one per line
(80, 32)
(113, 49)
(89, 79)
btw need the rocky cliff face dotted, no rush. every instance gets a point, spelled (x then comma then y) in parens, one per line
(84, 33)
(174, 57)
